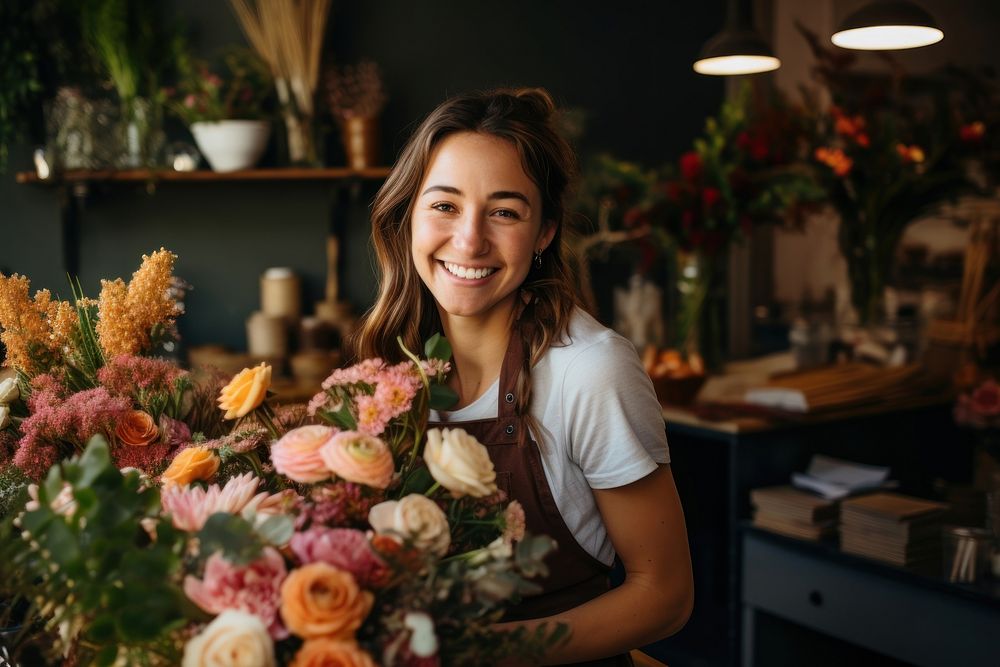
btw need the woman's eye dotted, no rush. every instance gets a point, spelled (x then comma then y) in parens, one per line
(444, 207)
(507, 213)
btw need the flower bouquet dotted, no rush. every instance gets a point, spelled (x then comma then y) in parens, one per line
(195, 523)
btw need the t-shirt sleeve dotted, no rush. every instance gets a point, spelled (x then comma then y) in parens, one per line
(614, 421)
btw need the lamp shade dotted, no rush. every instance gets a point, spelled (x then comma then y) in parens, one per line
(736, 50)
(887, 25)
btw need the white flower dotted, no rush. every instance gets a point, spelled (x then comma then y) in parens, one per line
(9, 391)
(233, 639)
(4, 416)
(415, 517)
(459, 463)
(498, 549)
(64, 503)
(423, 641)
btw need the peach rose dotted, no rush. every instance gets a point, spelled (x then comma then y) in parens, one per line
(319, 600)
(459, 463)
(191, 464)
(413, 517)
(297, 454)
(245, 391)
(137, 429)
(233, 638)
(361, 458)
(327, 652)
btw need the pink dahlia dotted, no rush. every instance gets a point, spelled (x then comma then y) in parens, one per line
(253, 588)
(190, 506)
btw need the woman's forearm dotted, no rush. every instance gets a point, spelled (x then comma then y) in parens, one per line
(636, 613)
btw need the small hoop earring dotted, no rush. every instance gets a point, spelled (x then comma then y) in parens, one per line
(538, 258)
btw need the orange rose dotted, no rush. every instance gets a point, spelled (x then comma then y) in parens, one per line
(326, 652)
(191, 464)
(318, 600)
(137, 429)
(245, 391)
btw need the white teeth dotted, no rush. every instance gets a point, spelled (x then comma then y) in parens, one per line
(467, 272)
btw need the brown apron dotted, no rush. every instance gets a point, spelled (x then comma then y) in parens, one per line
(575, 576)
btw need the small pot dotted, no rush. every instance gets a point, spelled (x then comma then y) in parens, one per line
(231, 145)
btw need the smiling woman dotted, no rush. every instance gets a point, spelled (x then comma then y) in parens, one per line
(468, 230)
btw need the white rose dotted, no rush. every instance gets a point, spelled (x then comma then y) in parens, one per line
(415, 517)
(9, 391)
(4, 416)
(459, 463)
(233, 639)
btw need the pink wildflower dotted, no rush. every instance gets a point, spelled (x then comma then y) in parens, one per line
(253, 588)
(372, 415)
(190, 506)
(435, 369)
(151, 459)
(128, 375)
(366, 371)
(317, 402)
(514, 523)
(343, 504)
(395, 393)
(73, 421)
(344, 548)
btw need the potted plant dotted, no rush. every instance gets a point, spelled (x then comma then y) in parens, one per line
(356, 98)
(228, 117)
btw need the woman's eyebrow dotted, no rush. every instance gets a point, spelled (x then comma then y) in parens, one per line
(499, 194)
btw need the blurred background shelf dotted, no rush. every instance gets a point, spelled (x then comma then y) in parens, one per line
(169, 175)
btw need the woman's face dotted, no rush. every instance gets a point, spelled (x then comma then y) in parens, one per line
(477, 222)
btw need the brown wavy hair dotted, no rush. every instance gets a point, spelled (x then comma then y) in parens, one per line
(526, 117)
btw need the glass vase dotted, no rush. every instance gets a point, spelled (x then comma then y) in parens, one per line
(699, 313)
(140, 133)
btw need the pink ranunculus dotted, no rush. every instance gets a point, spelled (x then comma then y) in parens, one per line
(357, 457)
(986, 399)
(253, 588)
(344, 548)
(297, 454)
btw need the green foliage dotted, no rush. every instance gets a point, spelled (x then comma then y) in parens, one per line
(437, 347)
(239, 540)
(20, 79)
(95, 562)
(244, 93)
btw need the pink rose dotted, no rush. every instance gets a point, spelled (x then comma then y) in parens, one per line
(344, 548)
(359, 458)
(253, 588)
(297, 454)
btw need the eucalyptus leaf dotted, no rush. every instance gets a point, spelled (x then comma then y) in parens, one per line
(231, 535)
(442, 397)
(437, 347)
(277, 529)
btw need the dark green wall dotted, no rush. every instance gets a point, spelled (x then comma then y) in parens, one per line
(627, 64)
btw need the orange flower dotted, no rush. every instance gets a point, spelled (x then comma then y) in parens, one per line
(912, 153)
(326, 652)
(191, 464)
(835, 159)
(137, 429)
(245, 391)
(319, 600)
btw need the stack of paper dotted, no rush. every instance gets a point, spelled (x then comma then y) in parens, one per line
(893, 528)
(786, 510)
(834, 479)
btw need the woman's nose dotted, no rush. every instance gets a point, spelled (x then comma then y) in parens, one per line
(470, 235)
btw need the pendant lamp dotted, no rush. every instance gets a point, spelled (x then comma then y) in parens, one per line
(738, 49)
(887, 25)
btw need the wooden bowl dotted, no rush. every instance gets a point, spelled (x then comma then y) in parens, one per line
(678, 390)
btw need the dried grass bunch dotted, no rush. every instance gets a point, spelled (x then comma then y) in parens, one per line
(355, 90)
(288, 35)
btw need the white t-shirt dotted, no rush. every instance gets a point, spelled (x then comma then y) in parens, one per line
(601, 424)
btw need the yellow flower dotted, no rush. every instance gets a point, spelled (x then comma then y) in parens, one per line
(245, 392)
(127, 314)
(191, 464)
(27, 325)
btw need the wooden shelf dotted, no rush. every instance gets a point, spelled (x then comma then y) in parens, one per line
(169, 175)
